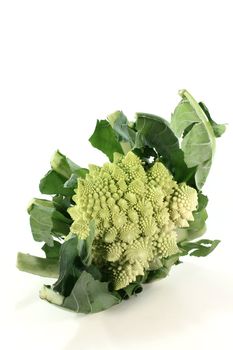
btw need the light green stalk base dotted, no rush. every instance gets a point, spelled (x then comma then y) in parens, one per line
(38, 266)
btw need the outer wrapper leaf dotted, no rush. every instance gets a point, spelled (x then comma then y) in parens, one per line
(218, 129)
(199, 132)
(125, 133)
(200, 248)
(105, 139)
(52, 252)
(155, 132)
(46, 221)
(90, 295)
(62, 179)
(164, 270)
(53, 183)
(70, 267)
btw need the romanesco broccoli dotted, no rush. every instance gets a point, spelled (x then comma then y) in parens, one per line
(136, 214)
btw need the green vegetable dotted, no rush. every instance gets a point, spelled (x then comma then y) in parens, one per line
(136, 215)
(109, 229)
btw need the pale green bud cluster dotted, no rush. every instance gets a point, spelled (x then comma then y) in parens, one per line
(136, 214)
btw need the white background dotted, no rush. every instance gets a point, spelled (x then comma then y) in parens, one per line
(63, 64)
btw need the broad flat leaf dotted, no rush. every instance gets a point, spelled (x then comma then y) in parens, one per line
(218, 129)
(63, 165)
(171, 260)
(90, 295)
(81, 172)
(183, 118)
(155, 264)
(62, 203)
(52, 252)
(75, 256)
(200, 248)
(202, 172)
(70, 267)
(53, 183)
(198, 143)
(47, 222)
(125, 133)
(196, 146)
(163, 271)
(62, 179)
(72, 182)
(145, 153)
(154, 132)
(105, 139)
(202, 201)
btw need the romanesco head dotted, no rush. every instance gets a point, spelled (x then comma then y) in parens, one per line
(136, 214)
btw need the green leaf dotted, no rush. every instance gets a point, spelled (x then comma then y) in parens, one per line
(47, 222)
(70, 267)
(198, 142)
(90, 295)
(85, 246)
(146, 153)
(183, 117)
(200, 248)
(155, 264)
(202, 201)
(63, 165)
(125, 133)
(218, 129)
(62, 179)
(186, 131)
(154, 132)
(38, 266)
(62, 203)
(180, 170)
(75, 256)
(72, 182)
(171, 260)
(53, 183)
(94, 271)
(163, 271)
(105, 140)
(52, 252)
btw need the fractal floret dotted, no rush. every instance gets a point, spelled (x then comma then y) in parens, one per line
(136, 213)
